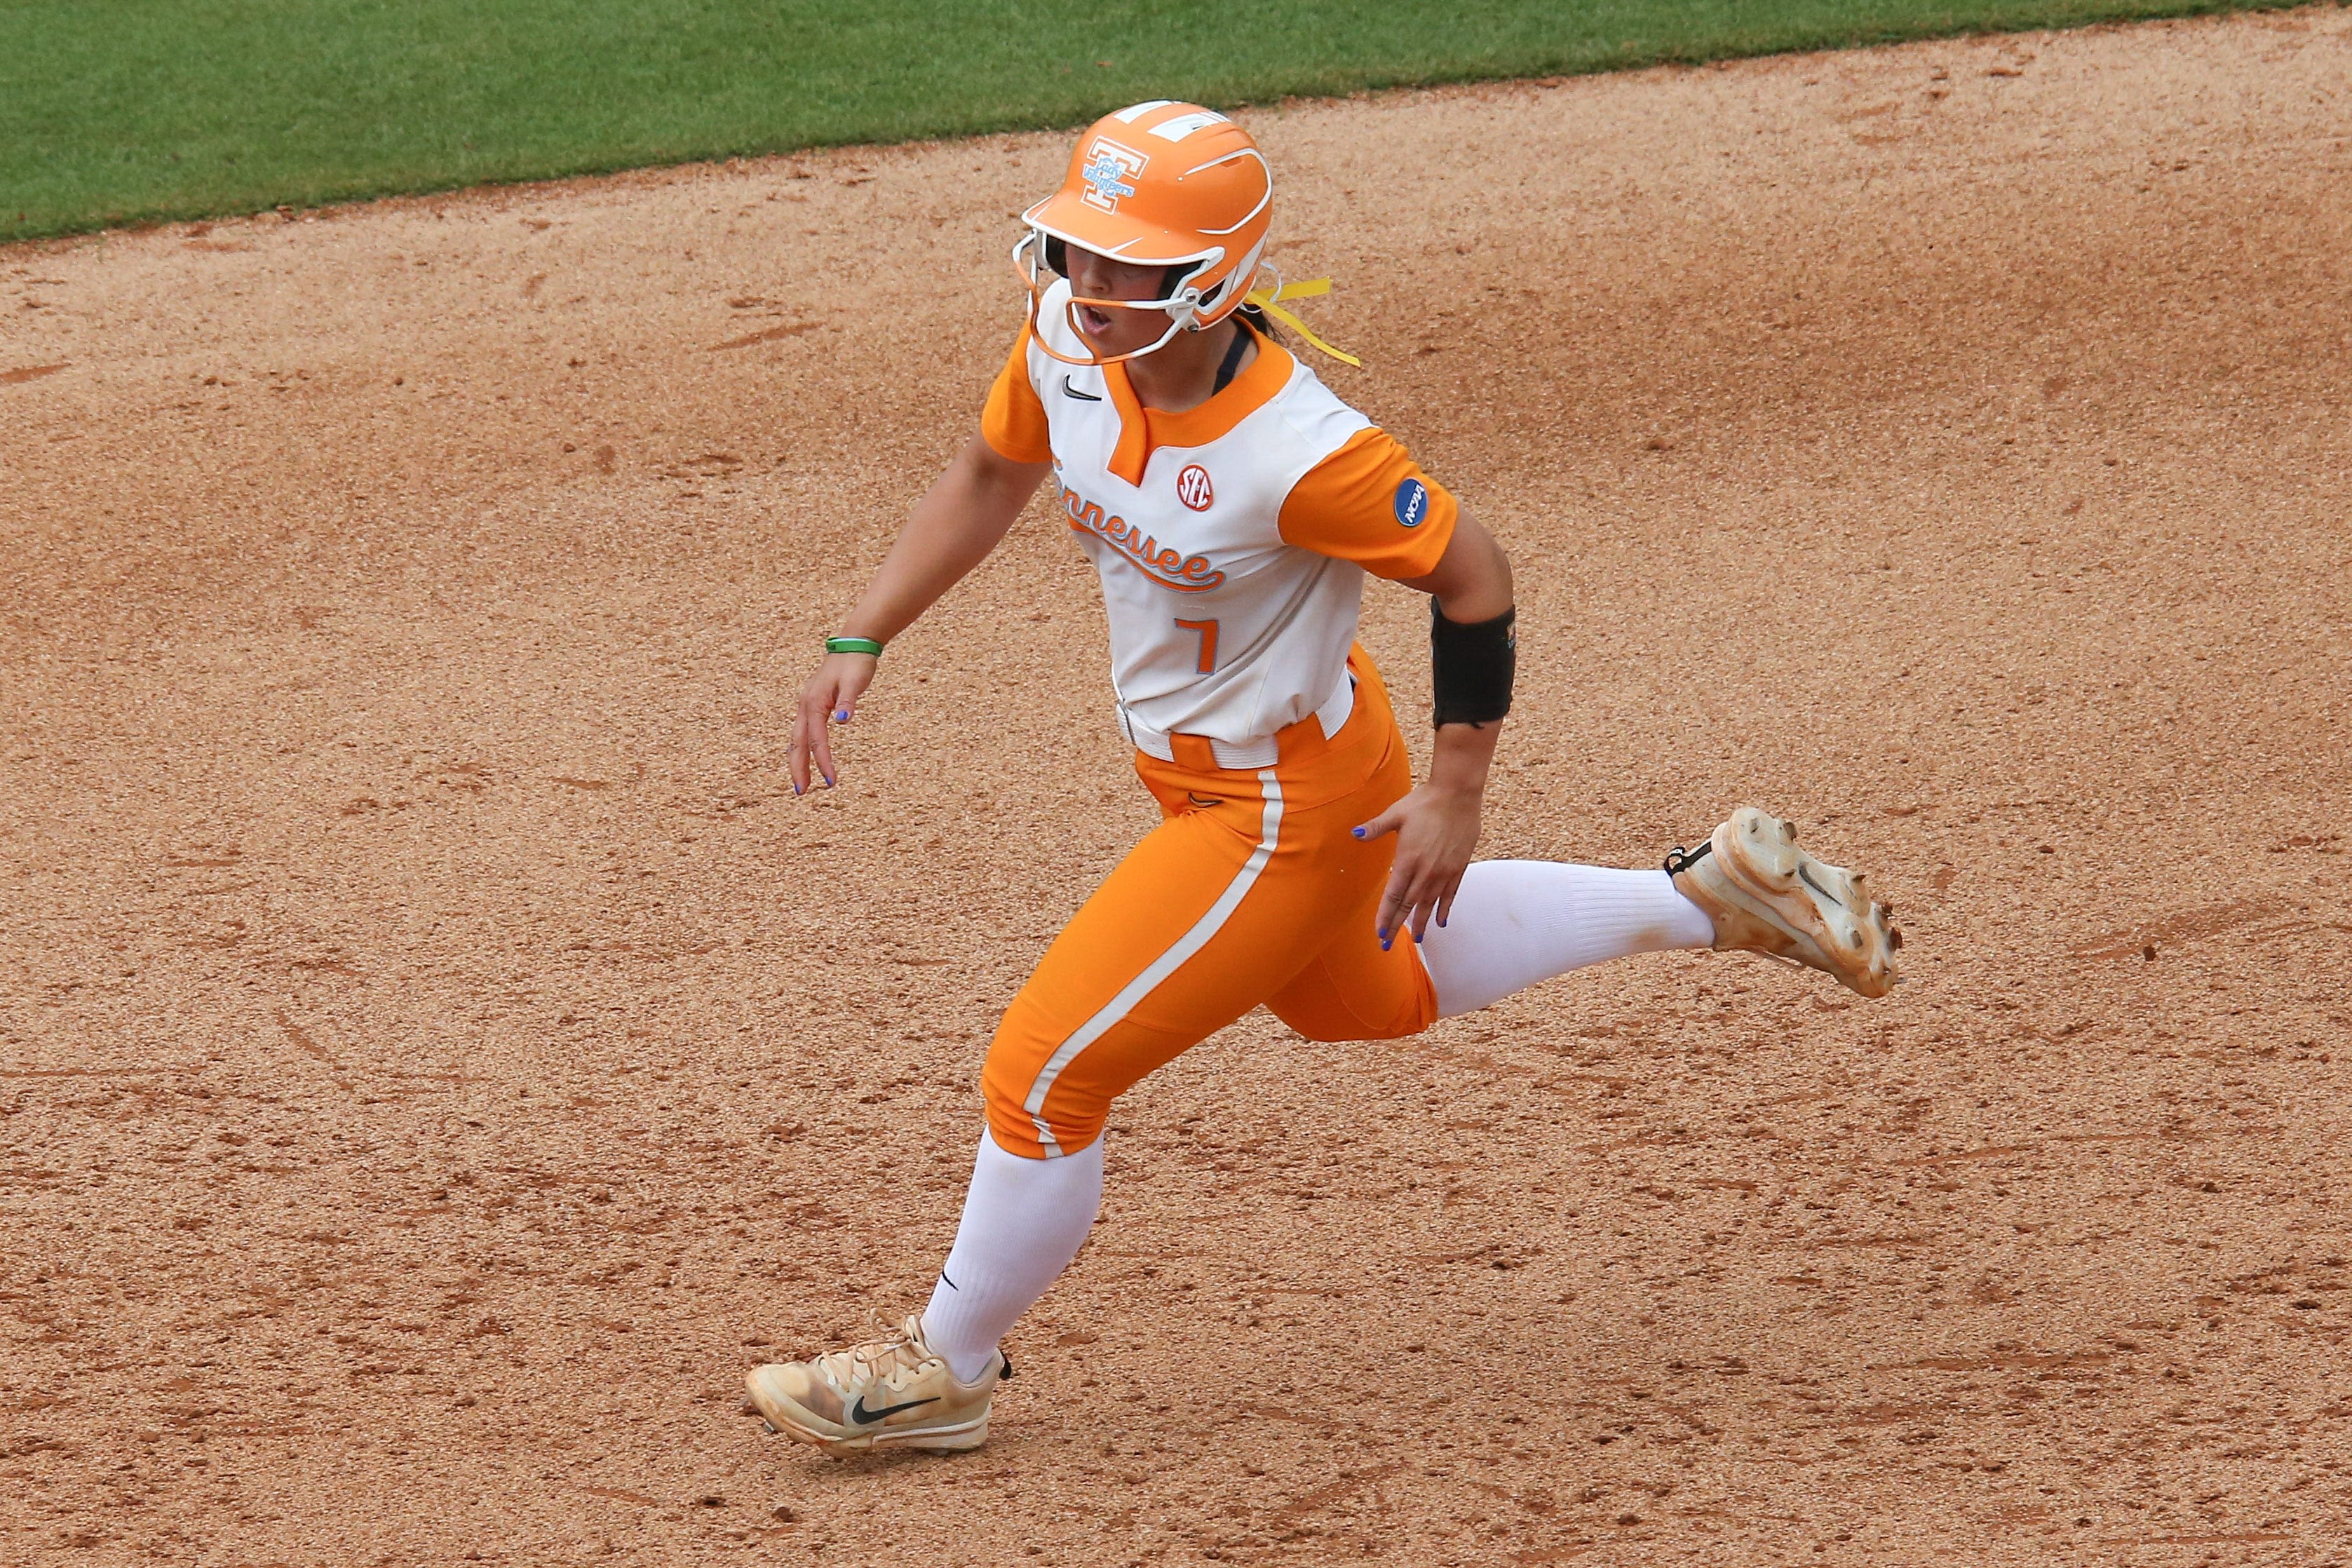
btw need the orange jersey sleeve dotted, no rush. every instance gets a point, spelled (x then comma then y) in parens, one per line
(1368, 503)
(1013, 422)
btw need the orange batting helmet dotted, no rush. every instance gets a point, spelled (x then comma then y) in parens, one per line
(1158, 185)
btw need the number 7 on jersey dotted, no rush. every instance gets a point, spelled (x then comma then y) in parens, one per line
(1208, 630)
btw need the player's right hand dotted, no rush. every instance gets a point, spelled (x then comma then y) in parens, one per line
(829, 698)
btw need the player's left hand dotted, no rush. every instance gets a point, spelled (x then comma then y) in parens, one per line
(1436, 827)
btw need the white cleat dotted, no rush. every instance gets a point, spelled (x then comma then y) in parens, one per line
(895, 1392)
(1766, 895)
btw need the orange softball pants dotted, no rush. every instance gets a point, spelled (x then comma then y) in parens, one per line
(1252, 891)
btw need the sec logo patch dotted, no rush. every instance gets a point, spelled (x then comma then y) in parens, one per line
(1193, 489)
(1411, 503)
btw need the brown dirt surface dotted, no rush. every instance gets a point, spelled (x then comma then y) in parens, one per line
(438, 1054)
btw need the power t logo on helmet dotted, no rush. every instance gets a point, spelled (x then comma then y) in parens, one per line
(1109, 164)
(1159, 184)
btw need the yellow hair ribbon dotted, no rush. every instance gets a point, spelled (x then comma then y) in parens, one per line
(1266, 300)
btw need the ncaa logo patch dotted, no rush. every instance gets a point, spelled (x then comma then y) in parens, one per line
(1107, 171)
(1411, 503)
(1193, 488)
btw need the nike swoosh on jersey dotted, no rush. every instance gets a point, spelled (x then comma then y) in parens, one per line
(1069, 391)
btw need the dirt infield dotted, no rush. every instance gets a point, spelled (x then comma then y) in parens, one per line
(438, 1054)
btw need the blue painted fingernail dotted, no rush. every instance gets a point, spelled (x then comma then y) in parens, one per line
(1418, 935)
(840, 716)
(797, 789)
(828, 784)
(1357, 831)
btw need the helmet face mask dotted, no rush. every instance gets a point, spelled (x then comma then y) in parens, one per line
(1160, 184)
(1037, 253)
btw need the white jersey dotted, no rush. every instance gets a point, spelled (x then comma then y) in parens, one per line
(1232, 539)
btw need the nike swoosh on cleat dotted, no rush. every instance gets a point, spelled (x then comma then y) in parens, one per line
(1069, 391)
(864, 1417)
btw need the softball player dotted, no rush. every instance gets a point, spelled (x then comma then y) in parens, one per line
(1232, 505)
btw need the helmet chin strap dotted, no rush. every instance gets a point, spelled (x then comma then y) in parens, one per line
(1070, 313)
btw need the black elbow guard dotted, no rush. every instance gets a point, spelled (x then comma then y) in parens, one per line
(1472, 667)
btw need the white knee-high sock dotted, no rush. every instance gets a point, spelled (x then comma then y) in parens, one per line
(1515, 923)
(1024, 1220)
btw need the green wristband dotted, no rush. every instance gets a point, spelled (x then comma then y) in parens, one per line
(853, 644)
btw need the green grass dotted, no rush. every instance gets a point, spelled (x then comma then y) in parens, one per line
(116, 112)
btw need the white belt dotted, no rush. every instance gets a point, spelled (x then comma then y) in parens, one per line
(1262, 753)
